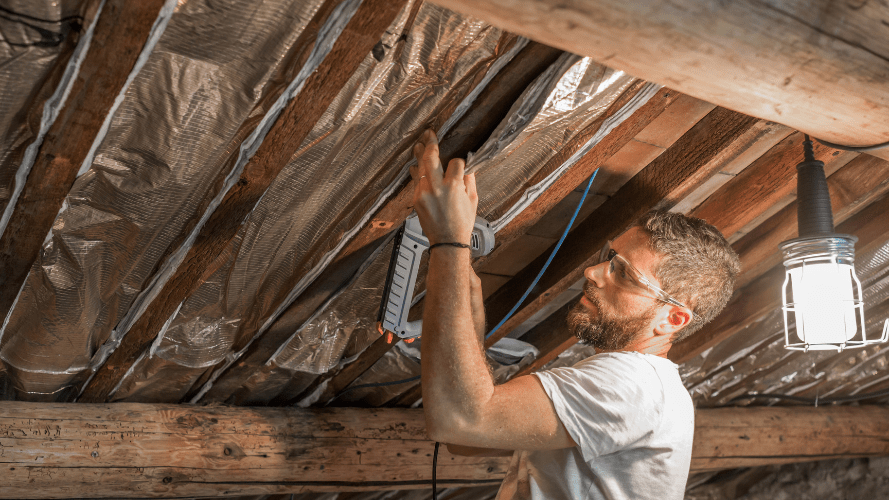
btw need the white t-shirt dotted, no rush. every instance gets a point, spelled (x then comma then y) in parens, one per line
(633, 422)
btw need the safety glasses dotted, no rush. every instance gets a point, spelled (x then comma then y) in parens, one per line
(627, 276)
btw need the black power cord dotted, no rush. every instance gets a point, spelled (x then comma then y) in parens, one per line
(434, 463)
(862, 149)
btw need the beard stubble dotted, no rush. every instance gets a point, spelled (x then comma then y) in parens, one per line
(606, 331)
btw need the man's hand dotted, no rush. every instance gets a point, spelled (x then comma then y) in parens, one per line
(444, 201)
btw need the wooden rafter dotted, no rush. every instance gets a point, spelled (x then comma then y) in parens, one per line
(163, 451)
(816, 66)
(467, 135)
(119, 35)
(581, 170)
(282, 141)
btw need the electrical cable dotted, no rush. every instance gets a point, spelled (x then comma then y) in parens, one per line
(862, 149)
(549, 260)
(434, 463)
(814, 401)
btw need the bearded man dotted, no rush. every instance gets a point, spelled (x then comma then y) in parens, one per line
(618, 425)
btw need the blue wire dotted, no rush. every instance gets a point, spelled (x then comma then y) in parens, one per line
(519, 303)
(549, 260)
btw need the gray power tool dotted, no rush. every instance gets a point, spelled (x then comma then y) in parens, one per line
(410, 243)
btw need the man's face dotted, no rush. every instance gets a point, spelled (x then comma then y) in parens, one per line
(609, 316)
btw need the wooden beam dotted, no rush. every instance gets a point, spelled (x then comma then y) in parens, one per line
(691, 161)
(119, 36)
(763, 294)
(490, 106)
(160, 451)
(816, 66)
(282, 141)
(580, 171)
(728, 438)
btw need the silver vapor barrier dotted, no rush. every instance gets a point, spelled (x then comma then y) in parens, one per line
(755, 361)
(215, 71)
(37, 44)
(570, 95)
(428, 62)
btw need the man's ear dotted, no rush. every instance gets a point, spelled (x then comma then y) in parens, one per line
(675, 319)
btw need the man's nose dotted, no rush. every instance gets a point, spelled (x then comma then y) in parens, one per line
(595, 274)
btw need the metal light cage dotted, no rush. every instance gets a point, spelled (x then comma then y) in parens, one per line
(838, 252)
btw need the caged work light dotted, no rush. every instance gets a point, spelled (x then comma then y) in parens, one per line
(823, 306)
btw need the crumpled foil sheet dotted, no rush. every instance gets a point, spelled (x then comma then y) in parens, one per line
(171, 140)
(34, 55)
(755, 360)
(560, 103)
(359, 149)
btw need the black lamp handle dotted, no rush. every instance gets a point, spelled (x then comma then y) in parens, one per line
(814, 213)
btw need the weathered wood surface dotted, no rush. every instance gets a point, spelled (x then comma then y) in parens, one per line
(490, 106)
(140, 450)
(817, 66)
(154, 451)
(282, 141)
(748, 437)
(691, 161)
(119, 35)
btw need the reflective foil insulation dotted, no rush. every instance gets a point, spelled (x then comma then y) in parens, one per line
(429, 60)
(755, 361)
(561, 102)
(37, 42)
(216, 70)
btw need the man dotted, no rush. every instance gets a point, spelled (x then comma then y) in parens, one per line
(617, 425)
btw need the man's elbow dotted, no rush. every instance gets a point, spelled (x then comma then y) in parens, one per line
(446, 426)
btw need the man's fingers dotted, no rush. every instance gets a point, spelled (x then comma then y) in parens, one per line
(471, 189)
(456, 168)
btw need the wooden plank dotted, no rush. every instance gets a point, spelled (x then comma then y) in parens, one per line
(763, 294)
(285, 136)
(693, 159)
(143, 450)
(119, 35)
(489, 108)
(163, 451)
(727, 438)
(815, 66)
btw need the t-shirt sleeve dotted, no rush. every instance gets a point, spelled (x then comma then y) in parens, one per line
(607, 403)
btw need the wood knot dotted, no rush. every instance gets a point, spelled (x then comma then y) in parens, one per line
(168, 480)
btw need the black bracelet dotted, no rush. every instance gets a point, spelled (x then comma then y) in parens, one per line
(450, 244)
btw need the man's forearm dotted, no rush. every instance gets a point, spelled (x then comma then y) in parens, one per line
(456, 380)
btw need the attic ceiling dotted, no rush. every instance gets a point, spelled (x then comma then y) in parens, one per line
(200, 197)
